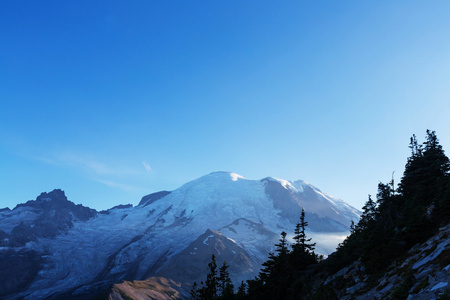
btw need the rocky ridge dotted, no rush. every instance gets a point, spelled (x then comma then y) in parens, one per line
(424, 273)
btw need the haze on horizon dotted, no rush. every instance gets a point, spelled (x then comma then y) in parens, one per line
(110, 101)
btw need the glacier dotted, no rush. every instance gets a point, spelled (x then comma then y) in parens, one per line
(91, 250)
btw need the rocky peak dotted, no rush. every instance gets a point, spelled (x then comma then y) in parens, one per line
(189, 265)
(47, 216)
(49, 200)
(55, 195)
(149, 199)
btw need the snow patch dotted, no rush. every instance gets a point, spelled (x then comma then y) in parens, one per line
(236, 177)
(289, 185)
(207, 238)
(231, 240)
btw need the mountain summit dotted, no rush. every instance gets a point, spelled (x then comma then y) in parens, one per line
(222, 213)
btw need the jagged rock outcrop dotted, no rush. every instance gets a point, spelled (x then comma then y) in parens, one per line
(153, 288)
(49, 215)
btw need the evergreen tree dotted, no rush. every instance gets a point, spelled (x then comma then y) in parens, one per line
(437, 172)
(218, 284)
(416, 148)
(273, 279)
(241, 293)
(424, 168)
(401, 219)
(275, 263)
(282, 276)
(367, 216)
(210, 291)
(195, 293)
(423, 187)
(390, 207)
(301, 242)
(225, 286)
(443, 206)
(282, 245)
(352, 227)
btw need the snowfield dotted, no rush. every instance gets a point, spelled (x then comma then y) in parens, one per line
(139, 242)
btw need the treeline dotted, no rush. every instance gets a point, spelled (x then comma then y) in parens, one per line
(398, 219)
(402, 217)
(281, 277)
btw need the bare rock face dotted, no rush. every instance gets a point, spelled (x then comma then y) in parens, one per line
(149, 199)
(149, 289)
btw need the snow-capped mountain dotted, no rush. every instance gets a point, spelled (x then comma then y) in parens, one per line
(62, 250)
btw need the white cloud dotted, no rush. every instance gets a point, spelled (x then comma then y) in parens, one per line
(118, 185)
(146, 166)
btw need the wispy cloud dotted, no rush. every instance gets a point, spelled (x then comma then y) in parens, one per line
(89, 164)
(147, 166)
(118, 185)
(112, 175)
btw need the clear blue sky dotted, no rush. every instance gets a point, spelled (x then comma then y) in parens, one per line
(113, 100)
